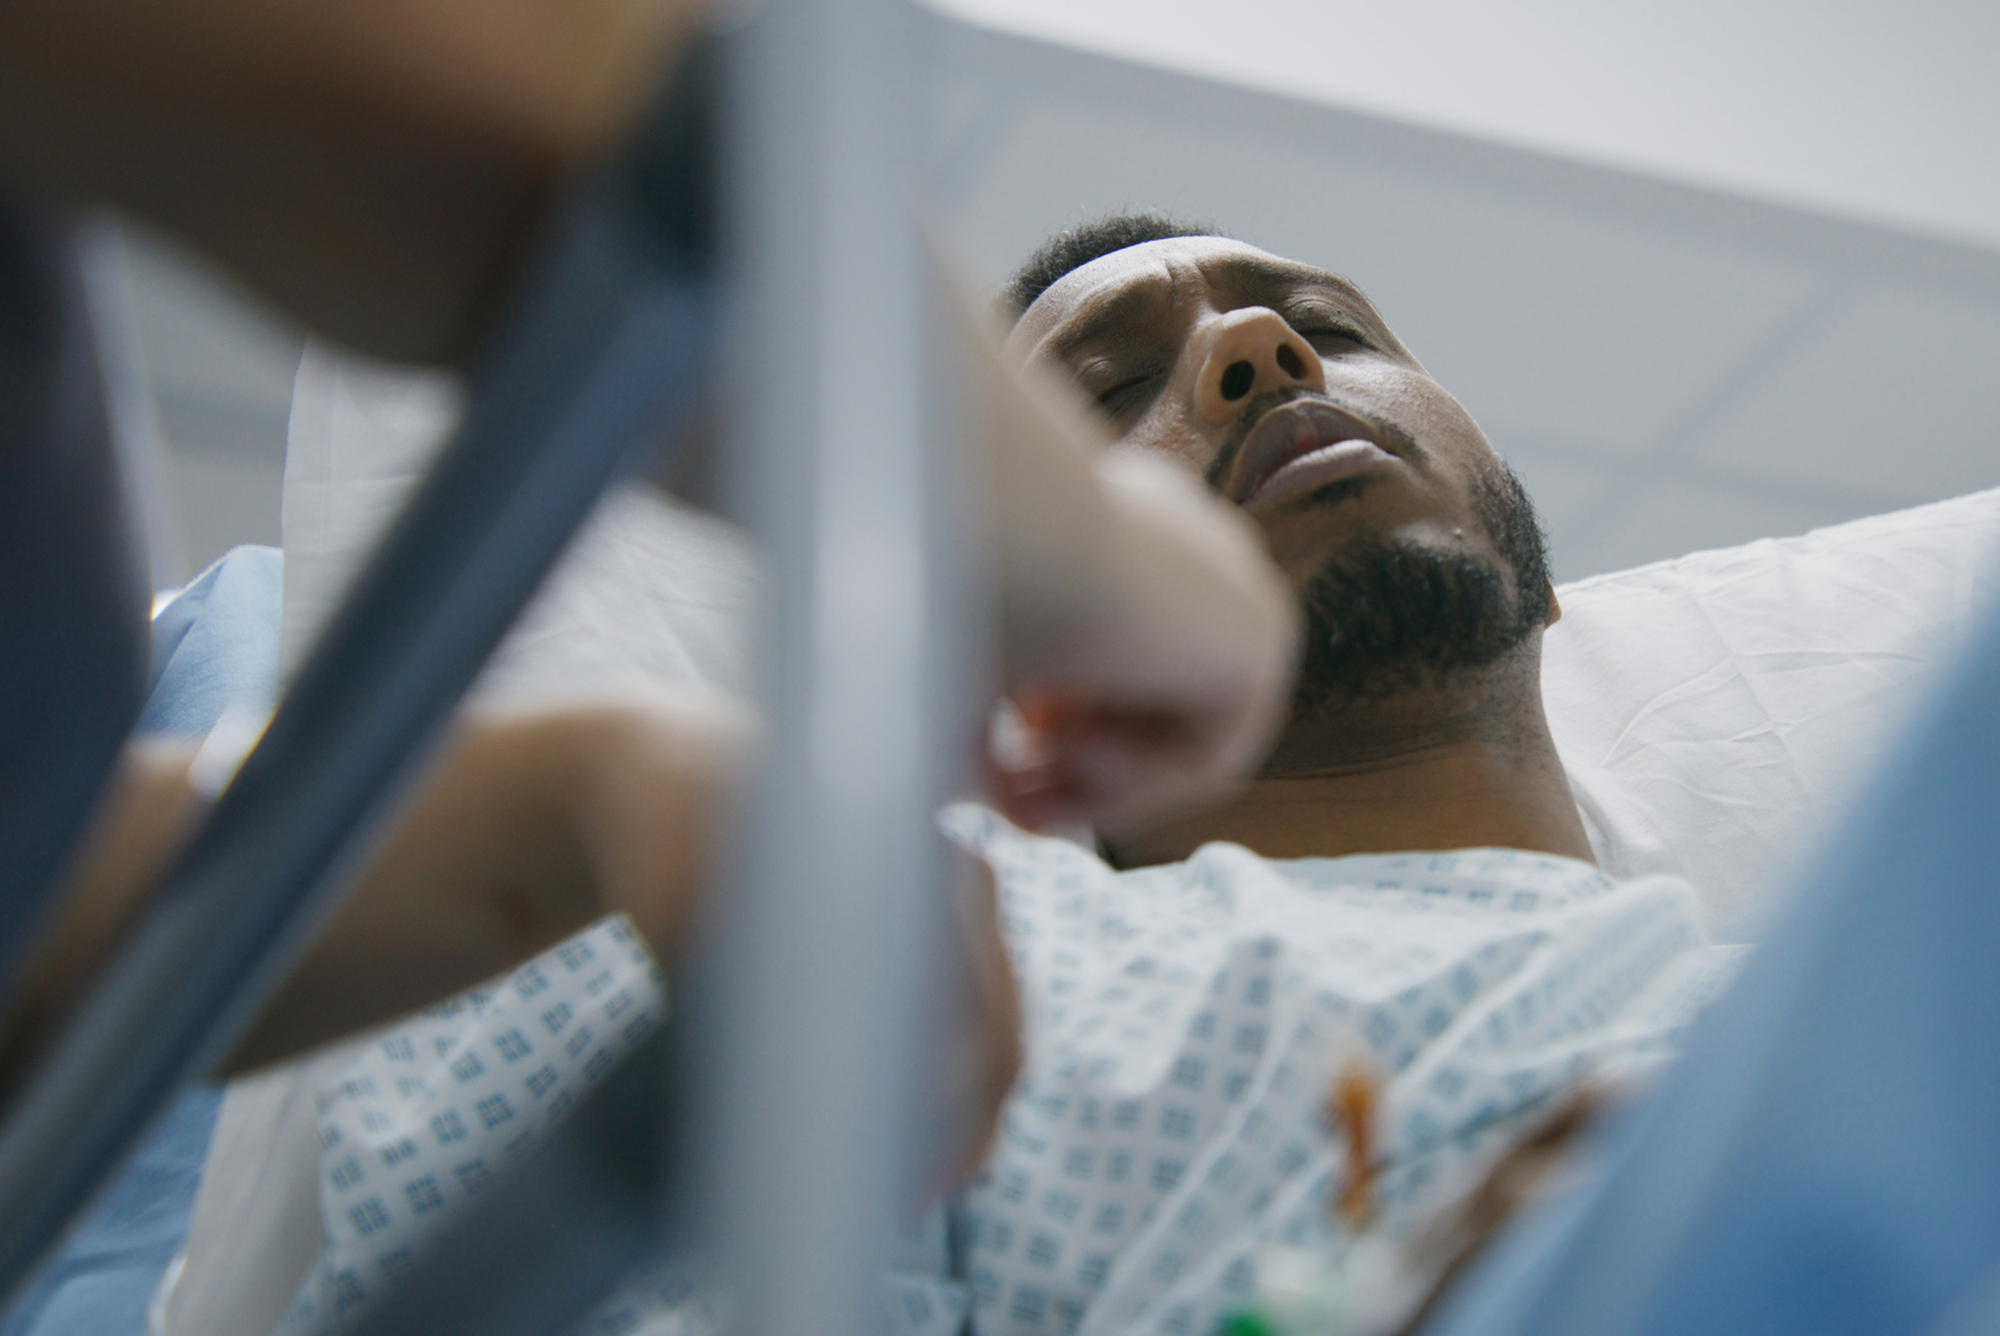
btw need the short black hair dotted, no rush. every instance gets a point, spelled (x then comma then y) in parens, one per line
(1086, 242)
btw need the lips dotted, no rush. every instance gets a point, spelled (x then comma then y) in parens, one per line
(1300, 446)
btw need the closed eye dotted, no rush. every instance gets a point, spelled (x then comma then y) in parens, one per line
(1325, 324)
(1126, 394)
(1328, 338)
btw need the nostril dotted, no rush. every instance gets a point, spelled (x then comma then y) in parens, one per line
(1289, 360)
(1237, 378)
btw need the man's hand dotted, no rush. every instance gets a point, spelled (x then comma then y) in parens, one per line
(1148, 641)
(1157, 673)
(530, 825)
(979, 1050)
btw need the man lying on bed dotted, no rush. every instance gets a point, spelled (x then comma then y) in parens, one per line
(1207, 1028)
(1187, 1021)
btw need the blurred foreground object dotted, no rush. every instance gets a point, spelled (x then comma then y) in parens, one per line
(604, 341)
(1147, 641)
(379, 169)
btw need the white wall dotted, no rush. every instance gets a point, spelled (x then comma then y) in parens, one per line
(1880, 112)
(218, 367)
(1670, 366)
(1662, 386)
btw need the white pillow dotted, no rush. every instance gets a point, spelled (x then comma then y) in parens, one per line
(1712, 711)
(1715, 712)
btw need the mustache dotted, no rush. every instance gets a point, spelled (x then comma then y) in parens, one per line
(1253, 412)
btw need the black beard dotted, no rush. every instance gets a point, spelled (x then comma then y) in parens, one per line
(1387, 616)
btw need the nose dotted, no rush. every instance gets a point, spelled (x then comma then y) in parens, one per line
(1250, 351)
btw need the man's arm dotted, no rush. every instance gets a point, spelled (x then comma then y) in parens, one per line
(1148, 642)
(530, 825)
(377, 167)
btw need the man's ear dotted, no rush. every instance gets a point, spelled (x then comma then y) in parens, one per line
(1555, 609)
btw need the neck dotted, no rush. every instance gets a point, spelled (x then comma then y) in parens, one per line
(1455, 782)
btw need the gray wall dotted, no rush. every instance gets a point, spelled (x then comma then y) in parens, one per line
(217, 367)
(1670, 367)
(1867, 110)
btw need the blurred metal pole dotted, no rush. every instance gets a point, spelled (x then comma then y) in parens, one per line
(815, 1005)
(794, 1107)
(794, 1104)
(609, 337)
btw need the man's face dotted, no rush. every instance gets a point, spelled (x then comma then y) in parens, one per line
(1416, 555)
(1281, 386)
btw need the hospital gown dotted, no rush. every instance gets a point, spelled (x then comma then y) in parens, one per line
(433, 1111)
(1183, 1026)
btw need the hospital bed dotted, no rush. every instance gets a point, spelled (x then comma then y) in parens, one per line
(1740, 692)
(1736, 692)
(795, 225)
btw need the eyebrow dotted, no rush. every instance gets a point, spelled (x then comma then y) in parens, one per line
(1115, 315)
(1254, 271)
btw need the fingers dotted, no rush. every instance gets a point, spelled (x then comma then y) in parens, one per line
(979, 1042)
(655, 798)
(1165, 690)
(1145, 635)
(1052, 761)
(531, 824)
(1199, 611)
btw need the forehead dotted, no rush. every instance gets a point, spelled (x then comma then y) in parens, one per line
(1162, 267)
